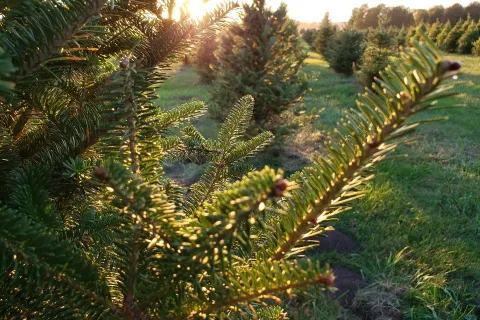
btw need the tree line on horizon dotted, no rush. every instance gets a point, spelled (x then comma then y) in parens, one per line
(365, 17)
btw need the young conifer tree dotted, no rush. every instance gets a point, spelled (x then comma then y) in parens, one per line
(476, 48)
(401, 38)
(468, 38)
(447, 27)
(325, 34)
(91, 229)
(434, 30)
(450, 44)
(309, 36)
(376, 57)
(261, 56)
(345, 51)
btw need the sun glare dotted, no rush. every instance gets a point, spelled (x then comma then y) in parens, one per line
(196, 8)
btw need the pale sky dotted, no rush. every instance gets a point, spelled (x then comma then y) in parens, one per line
(340, 10)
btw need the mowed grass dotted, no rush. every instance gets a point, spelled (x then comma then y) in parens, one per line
(419, 224)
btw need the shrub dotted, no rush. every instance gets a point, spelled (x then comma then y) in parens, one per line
(262, 56)
(325, 33)
(377, 55)
(206, 59)
(345, 51)
(468, 38)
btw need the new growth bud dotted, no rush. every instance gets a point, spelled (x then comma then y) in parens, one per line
(100, 173)
(326, 280)
(281, 185)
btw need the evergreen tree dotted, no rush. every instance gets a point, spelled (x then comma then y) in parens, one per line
(378, 50)
(206, 59)
(91, 228)
(468, 38)
(309, 36)
(466, 24)
(412, 31)
(447, 27)
(325, 33)
(345, 51)
(451, 41)
(401, 38)
(420, 30)
(476, 48)
(434, 30)
(262, 56)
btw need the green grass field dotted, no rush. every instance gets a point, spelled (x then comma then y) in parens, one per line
(419, 224)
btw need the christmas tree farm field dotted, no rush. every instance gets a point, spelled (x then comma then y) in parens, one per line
(418, 225)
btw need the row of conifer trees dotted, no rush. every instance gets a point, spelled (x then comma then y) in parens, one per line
(370, 51)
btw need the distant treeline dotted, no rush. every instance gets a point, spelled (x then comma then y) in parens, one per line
(365, 17)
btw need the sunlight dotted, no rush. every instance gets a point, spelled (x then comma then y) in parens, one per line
(196, 8)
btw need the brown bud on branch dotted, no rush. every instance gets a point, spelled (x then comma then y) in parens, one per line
(100, 173)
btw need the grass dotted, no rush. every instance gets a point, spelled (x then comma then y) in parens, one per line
(419, 224)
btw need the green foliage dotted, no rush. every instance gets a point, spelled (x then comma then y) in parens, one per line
(450, 44)
(6, 67)
(447, 27)
(90, 226)
(476, 48)
(262, 57)
(468, 38)
(325, 34)
(345, 51)
(378, 50)
(434, 31)
(309, 36)
(400, 36)
(206, 59)
(224, 154)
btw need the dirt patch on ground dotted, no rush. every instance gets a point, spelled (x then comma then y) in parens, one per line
(335, 241)
(348, 283)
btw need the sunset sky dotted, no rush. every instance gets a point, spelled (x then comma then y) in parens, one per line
(340, 10)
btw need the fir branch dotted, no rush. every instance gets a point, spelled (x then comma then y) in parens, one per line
(262, 294)
(61, 277)
(260, 281)
(54, 24)
(130, 113)
(362, 143)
